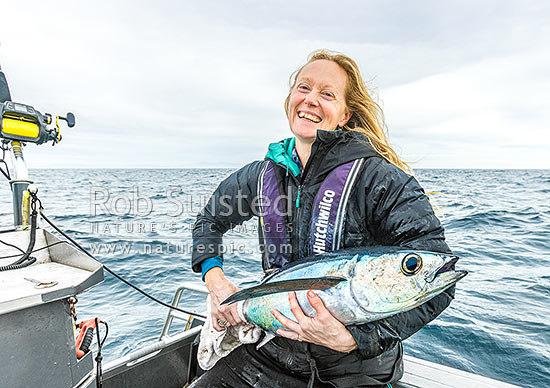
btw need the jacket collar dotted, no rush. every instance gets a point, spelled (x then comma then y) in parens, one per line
(342, 146)
(281, 153)
(337, 147)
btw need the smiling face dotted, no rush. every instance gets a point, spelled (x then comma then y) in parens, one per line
(317, 100)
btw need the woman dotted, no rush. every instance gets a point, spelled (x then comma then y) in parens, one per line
(341, 186)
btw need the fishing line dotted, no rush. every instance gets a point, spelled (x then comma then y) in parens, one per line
(13, 246)
(112, 272)
(3, 160)
(33, 251)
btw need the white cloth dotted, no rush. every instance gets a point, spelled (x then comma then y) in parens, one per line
(217, 344)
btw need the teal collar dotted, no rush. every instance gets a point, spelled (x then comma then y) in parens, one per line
(281, 153)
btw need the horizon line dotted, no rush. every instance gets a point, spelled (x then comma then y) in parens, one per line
(230, 168)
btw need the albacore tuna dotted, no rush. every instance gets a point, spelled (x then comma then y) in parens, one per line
(356, 285)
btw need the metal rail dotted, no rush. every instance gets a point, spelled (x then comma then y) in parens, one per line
(199, 288)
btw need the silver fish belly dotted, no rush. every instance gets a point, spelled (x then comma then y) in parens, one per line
(363, 285)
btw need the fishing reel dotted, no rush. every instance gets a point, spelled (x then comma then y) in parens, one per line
(22, 123)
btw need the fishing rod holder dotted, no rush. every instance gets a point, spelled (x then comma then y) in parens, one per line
(21, 124)
(19, 185)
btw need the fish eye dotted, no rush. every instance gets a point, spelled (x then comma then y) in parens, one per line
(411, 264)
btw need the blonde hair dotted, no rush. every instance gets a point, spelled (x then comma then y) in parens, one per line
(366, 115)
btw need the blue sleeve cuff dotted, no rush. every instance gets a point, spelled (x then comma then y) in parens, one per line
(208, 264)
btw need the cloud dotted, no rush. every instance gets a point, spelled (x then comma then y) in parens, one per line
(495, 103)
(183, 84)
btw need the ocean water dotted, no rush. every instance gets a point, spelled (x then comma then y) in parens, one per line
(138, 223)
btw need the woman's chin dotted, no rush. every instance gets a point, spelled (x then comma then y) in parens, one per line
(305, 134)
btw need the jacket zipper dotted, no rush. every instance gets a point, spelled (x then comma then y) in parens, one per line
(296, 240)
(303, 179)
(295, 230)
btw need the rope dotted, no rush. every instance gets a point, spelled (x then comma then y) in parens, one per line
(112, 272)
(99, 357)
(26, 259)
(3, 160)
(33, 251)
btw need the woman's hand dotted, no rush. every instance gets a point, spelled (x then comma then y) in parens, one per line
(323, 330)
(220, 288)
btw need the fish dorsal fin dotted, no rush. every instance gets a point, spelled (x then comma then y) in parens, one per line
(321, 283)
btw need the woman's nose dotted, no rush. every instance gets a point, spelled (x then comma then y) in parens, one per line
(311, 98)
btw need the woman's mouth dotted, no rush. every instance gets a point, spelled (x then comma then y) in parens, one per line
(309, 116)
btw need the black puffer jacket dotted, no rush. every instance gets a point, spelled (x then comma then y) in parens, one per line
(387, 207)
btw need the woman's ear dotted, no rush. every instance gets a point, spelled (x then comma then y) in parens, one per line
(345, 119)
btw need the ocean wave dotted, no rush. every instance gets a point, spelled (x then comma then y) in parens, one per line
(497, 221)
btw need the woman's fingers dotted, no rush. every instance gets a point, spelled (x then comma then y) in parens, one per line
(232, 316)
(221, 322)
(295, 307)
(217, 319)
(323, 329)
(303, 321)
(220, 288)
(289, 334)
(216, 325)
(236, 316)
(225, 316)
(318, 305)
(287, 323)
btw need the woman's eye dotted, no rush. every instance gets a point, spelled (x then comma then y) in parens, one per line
(328, 95)
(303, 87)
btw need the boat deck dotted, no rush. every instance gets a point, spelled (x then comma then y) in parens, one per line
(424, 374)
(180, 350)
(162, 357)
(59, 271)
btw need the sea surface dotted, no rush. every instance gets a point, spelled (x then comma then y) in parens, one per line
(138, 223)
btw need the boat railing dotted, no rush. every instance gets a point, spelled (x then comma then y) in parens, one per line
(168, 362)
(187, 286)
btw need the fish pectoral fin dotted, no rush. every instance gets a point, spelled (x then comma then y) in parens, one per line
(321, 283)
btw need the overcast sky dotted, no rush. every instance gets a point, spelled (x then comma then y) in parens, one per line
(463, 84)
